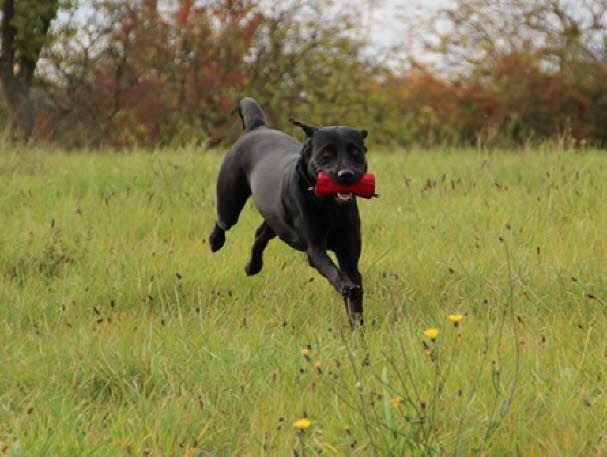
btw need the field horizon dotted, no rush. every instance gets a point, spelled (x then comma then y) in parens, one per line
(122, 334)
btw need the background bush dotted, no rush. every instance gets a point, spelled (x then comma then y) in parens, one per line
(152, 73)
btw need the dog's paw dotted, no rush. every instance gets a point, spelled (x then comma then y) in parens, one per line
(253, 268)
(217, 239)
(350, 291)
(356, 320)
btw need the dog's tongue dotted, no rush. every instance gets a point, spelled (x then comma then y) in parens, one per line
(344, 196)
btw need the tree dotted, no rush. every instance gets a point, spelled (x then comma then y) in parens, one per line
(25, 29)
(148, 73)
(475, 34)
(538, 65)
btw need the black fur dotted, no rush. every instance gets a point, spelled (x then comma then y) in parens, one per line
(278, 171)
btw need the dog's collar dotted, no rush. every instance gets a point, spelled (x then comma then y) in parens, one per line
(304, 180)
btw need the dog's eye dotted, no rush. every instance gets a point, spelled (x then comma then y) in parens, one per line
(356, 152)
(327, 154)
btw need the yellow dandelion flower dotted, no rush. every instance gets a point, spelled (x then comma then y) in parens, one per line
(396, 401)
(432, 333)
(455, 318)
(317, 365)
(302, 424)
(306, 353)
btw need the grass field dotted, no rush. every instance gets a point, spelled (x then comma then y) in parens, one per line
(121, 334)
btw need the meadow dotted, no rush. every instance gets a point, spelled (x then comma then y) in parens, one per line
(121, 334)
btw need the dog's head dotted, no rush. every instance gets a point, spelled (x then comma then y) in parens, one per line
(338, 151)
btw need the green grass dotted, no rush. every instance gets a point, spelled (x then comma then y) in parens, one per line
(121, 334)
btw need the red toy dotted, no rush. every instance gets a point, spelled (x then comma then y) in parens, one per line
(365, 187)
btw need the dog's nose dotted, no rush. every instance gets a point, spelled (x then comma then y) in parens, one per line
(345, 175)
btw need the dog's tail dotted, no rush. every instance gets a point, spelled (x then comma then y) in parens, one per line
(251, 114)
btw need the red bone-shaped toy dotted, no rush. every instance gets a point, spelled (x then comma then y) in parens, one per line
(365, 187)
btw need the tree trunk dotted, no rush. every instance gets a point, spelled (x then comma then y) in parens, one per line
(16, 85)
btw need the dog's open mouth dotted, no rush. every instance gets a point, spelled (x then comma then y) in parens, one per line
(344, 197)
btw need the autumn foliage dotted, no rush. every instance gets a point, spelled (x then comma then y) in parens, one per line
(164, 76)
(167, 73)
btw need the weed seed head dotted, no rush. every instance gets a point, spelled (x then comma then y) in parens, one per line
(397, 401)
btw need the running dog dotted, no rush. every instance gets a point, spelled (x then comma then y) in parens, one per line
(280, 173)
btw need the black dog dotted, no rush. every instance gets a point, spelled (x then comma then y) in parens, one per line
(279, 172)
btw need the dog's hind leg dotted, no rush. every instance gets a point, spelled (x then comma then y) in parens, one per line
(232, 193)
(262, 236)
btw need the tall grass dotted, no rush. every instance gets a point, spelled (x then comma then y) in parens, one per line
(122, 335)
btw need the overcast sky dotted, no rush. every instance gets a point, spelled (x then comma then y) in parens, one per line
(386, 26)
(382, 18)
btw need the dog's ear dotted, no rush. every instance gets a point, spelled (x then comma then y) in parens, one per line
(363, 133)
(309, 130)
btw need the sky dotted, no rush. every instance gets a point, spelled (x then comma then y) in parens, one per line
(382, 18)
(385, 18)
(385, 21)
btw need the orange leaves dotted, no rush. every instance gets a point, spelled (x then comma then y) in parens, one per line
(183, 12)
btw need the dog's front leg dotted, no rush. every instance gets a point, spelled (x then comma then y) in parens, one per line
(319, 259)
(347, 258)
(354, 300)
